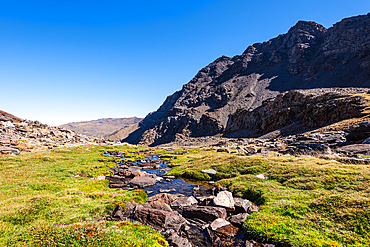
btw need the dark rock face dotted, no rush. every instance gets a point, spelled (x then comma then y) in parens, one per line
(312, 108)
(308, 56)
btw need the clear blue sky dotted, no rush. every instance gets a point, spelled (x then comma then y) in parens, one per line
(74, 60)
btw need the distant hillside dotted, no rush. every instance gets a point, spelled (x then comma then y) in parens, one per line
(101, 127)
(122, 133)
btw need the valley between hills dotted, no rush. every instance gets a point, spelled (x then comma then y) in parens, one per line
(267, 148)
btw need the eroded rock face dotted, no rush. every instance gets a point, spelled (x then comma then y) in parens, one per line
(356, 149)
(313, 108)
(308, 56)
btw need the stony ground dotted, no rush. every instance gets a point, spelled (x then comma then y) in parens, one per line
(19, 135)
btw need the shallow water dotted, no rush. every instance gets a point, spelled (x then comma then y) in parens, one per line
(195, 235)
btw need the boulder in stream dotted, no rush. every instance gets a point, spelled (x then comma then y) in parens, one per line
(143, 181)
(207, 213)
(184, 201)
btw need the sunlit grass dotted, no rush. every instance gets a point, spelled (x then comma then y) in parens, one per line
(304, 201)
(44, 203)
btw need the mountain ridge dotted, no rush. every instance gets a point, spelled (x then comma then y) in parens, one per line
(307, 56)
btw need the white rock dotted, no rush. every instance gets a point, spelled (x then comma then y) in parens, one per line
(217, 223)
(8, 124)
(224, 199)
(210, 171)
(261, 176)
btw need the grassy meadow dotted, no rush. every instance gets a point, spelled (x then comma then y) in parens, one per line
(48, 198)
(304, 201)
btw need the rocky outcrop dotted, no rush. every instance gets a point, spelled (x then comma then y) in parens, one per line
(4, 116)
(25, 135)
(308, 56)
(312, 108)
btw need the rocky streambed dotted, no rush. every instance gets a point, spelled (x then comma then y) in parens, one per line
(187, 213)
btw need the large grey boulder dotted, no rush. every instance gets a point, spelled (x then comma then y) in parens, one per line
(143, 181)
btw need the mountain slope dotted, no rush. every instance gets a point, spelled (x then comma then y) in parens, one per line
(308, 56)
(101, 127)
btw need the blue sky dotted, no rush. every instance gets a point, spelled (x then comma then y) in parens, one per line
(75, 60)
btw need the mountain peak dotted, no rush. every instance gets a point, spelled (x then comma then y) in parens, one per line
(308, 26)
(307, 56)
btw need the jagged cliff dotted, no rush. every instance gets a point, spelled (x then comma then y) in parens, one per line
(312, 108)
(308, 56)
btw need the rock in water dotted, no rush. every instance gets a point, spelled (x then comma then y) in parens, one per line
(184, 201)
(143, 181)
(207, 213)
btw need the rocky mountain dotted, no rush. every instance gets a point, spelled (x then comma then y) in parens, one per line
(17, 135)
(307, 56)
(101, 127)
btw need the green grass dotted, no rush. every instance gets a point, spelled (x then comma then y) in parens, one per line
(304, 201)
(43, 203)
